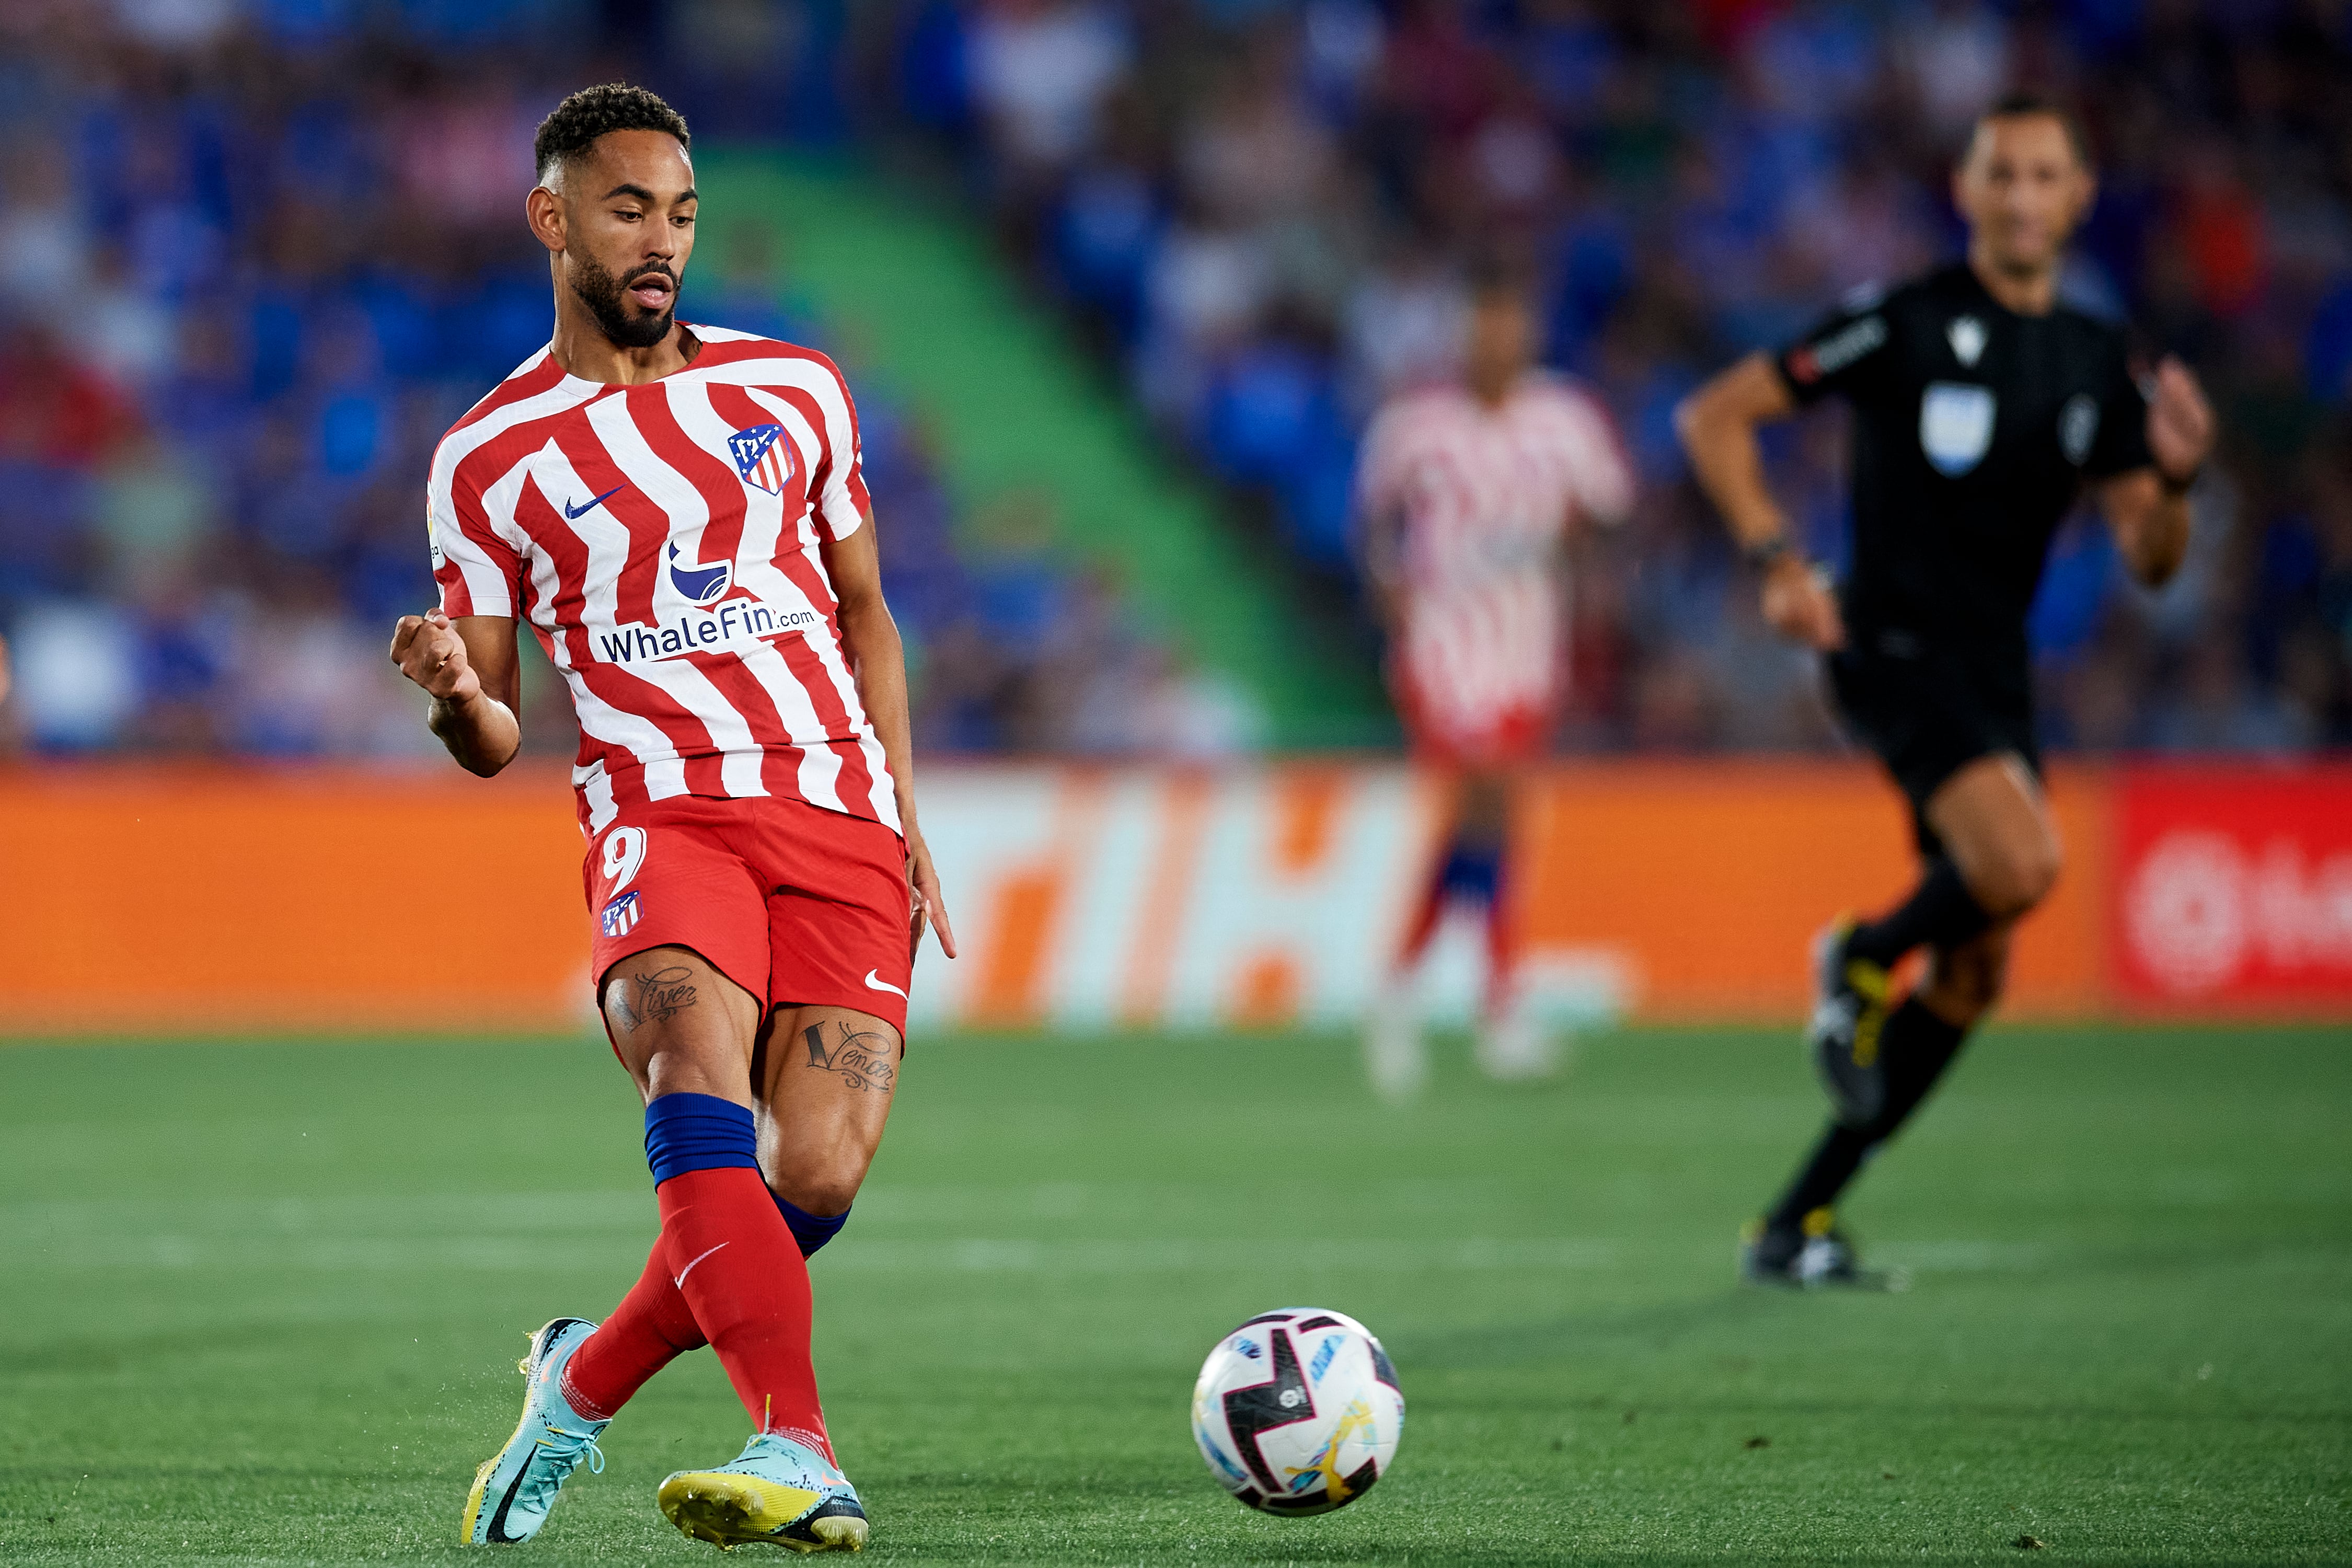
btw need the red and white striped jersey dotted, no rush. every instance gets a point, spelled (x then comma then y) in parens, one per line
(1487, 496)
(664, 542)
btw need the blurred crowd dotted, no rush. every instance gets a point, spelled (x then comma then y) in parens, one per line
(258, 257)
(1262, 210)
(260, 253)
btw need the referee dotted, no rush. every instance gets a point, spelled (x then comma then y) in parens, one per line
(1981, 409)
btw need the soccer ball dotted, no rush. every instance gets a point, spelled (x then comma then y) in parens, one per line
(1298, 1411)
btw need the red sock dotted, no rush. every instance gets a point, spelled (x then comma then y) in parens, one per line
(650, 1328)
(1423, 924)
(742, 1273)
(1501, 957)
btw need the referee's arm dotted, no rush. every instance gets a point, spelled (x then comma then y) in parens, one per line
(1717, 425)
(2147, 508)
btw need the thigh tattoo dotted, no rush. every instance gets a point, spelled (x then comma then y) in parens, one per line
(862, 1056)
(661, 996)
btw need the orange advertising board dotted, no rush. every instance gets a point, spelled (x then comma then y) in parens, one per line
(389, 899)
(1711, 878)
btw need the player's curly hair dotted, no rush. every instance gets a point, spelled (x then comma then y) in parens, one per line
(591, 113)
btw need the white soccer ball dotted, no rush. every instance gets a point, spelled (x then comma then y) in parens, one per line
(1298, 1411)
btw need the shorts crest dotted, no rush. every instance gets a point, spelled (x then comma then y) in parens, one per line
(621, 915)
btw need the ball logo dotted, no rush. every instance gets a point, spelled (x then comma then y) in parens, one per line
(762, 456)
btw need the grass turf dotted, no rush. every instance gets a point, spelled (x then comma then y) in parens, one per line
(261, 1303)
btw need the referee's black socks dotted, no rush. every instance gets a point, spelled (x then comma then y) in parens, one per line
(1940, 913)
(1916, 1046)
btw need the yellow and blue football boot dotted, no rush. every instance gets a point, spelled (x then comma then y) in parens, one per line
(516, 1486)
(777, 1491)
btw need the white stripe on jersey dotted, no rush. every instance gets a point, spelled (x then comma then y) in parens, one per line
(659, 698)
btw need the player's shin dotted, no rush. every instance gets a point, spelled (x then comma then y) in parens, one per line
(652, 1327)
(1940, 913)
(734, 1259)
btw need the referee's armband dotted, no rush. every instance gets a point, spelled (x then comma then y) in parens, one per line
(1814, 365)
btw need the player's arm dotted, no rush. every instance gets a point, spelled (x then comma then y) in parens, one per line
(2146, 508)
(470, 667)
(1380, 547)
(877, 660)
(1718, 425)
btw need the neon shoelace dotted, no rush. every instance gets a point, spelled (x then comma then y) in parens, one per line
(566, 1450)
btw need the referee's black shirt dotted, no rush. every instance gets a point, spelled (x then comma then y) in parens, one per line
(1974, 429)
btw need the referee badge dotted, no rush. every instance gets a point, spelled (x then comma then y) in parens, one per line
(1955, 426)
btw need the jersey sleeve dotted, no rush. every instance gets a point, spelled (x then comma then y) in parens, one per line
(2121, 444)
(1380, 465)
(842, 498)
(1842, 353)
(477, 571)
(1600, 474)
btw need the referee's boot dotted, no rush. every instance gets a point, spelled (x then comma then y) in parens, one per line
(1815, 1254)
(1851, 999)
(516, 1486)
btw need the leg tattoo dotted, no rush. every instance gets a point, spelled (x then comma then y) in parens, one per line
(861, 1056)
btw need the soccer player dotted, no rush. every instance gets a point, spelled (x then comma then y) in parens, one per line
(677, 512)
(1982, 408)
(1467, 494)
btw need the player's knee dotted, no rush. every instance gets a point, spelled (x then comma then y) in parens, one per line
(2017, 877)
(822, 1192)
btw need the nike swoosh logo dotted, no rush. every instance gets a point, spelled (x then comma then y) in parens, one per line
(680, 1281)
(584, 508)
(874, 982)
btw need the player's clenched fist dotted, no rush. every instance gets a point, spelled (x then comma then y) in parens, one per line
(430, 652)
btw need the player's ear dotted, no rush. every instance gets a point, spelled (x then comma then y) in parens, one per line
(2086, 192)
(543, 211)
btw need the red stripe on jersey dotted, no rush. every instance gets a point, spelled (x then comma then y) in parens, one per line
(821, 478)
(739, 410)
(713, 477)
(541, 377)
(649, 524)
(661, 695)
(610, 684)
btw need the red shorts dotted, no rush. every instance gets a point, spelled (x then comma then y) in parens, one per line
(797, 905)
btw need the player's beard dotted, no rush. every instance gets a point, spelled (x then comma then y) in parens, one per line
(602, 293)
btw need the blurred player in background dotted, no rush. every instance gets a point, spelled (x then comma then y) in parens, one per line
(1469, 495)
(678, 512)
(1982, 408)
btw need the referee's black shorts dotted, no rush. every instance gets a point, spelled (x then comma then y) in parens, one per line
(1929, 713)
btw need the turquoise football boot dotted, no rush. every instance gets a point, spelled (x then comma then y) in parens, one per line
(778, 1490)
(516, 1486)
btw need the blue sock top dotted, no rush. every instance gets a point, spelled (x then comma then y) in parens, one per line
(810, 1230)
(697, 1132)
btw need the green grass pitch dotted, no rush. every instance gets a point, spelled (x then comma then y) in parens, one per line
(261, 1303)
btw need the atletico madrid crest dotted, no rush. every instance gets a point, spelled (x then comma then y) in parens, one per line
(762, 456)
(621, 915)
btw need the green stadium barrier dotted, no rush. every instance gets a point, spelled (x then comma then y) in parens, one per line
(918, 305)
